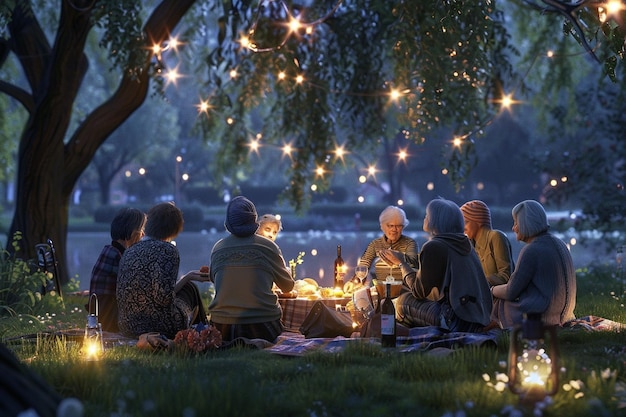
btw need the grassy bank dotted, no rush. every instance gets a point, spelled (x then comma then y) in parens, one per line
(360, 381)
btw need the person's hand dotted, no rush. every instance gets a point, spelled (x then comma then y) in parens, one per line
(390, 257)
(196, 275)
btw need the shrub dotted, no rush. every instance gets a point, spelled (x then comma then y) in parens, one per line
(20, 283)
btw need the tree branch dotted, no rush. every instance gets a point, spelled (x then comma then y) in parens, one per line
(130, 94)
(29, 43)
(19, 94)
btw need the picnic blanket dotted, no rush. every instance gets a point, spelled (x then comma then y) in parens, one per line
(419, 339)
(429, 338)
(595, 323)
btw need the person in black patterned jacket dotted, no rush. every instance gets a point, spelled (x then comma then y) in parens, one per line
(150, 296)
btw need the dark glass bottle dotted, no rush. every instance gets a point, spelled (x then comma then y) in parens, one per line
(339, 269)
(388, 320)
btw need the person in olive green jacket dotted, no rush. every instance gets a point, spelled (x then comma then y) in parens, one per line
(244, 268)
(492, 246)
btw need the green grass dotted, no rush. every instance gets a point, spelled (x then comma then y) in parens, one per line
(363, 380)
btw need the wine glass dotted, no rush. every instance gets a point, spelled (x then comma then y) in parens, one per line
(361, 273)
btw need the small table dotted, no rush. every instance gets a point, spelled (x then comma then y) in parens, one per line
(296, 309)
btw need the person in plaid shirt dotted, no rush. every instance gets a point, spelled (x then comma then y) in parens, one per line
(127, 228)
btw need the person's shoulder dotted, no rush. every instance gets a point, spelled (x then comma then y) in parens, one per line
(495, 234)
(434, 243)
(265, 242)
(407, 239)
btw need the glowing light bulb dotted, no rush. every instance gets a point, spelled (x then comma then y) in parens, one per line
(294, 25)
(203, 106)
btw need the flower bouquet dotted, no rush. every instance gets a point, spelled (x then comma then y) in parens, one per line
(198, 338)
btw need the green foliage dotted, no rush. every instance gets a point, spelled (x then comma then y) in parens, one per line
(20, 289)
(344, 97)
(123, 36)
(580, 136)
(21, 285)
(593, 163)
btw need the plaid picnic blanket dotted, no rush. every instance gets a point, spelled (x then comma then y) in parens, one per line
(424, 338)
(595, 323)
(419, 339)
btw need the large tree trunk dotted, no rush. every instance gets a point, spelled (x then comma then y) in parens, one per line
(48, 169)
(55, 75)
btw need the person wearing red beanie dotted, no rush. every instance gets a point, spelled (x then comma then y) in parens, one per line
(492, 246)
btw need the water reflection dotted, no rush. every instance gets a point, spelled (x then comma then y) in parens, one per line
(320, 248)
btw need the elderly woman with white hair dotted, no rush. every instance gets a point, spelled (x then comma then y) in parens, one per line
(392, 223)
(544, 280)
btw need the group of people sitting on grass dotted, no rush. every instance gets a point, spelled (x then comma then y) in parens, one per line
(463, 278)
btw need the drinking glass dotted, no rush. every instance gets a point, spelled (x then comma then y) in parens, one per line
(361, 273)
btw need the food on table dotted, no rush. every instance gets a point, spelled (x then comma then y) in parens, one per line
(306, 287)
(290, 294)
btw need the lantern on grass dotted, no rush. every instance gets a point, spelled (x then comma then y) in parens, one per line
(533, 360)
(93, 343)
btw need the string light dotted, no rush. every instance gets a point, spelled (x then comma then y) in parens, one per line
(172, 76)
(320, 171)
(296, 26)
(203, 107)
(255, 145)
(402, 155)
(340, 153)
(287, 150)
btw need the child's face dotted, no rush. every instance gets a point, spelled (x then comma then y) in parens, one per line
(269, 230)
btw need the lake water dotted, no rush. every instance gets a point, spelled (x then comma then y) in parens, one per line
(320, 248)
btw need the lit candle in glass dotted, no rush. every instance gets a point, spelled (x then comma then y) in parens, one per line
(533, 360)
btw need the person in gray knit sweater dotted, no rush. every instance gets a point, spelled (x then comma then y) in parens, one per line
(544, 280)
(244, 267)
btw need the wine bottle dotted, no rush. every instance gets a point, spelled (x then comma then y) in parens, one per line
(339, 269)
(388, 320)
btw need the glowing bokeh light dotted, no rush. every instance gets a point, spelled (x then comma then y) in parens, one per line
(203, 106)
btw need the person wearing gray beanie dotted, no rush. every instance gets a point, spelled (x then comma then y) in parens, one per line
(544, 280)
(492, 246)
(245, 267)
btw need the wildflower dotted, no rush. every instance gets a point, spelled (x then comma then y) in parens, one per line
(293, 262)
(607, 373)
(199, 338)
